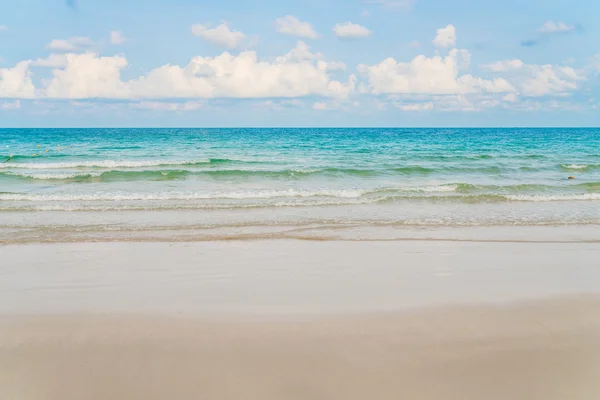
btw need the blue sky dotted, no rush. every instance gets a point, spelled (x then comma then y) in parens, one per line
(299, 63)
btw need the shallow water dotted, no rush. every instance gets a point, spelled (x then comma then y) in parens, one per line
(83, 183)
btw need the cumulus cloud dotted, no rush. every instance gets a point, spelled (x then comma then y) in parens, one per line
(511, 97)
(295, 74)
(220, 35)
(506, 65)
(546, 80)
(168, 106)
(291, 25)
(428, 75)
(555, 27)
(117, 38)
(548, 30)
(298, 73)
(539, 80)
(446, 37)
(440, 82)
(73, 44)
(351, 31)
(88, 76)
(16, 82)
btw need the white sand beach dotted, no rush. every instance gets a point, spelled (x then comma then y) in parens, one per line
(299, 319)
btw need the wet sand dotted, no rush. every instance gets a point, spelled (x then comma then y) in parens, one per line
(287, 277)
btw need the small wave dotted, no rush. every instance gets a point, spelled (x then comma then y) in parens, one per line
(260, 194)
(264, 194)
(580, 167)
(55, 176)
(166, 174)
(574, 166)
(524, 187)
(546, 198)
(111, 164)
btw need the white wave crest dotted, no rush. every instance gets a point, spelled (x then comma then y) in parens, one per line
(545, 198)
(263, 194)
(106, 164)
(57, 176)
(574, 166)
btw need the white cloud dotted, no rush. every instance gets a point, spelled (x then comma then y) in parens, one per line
(546, 80)
(168, 106)
(220, 35)
(416, 106)
(446, 37)
(295, 74)
(471, 84)
(539, 80)
(350, 30)
(463, 58)
(16, 82)
(3, 28)
(88, 76)
(414, 44)
(74, 44)
(291, 25)
(555, 27)
(511, 98)
(117, 38)
(12, 105)
(365, 13)
(299, 53)
(331, 65)
(506, 65)
(52, 61)
(423, 75)
(439, 82)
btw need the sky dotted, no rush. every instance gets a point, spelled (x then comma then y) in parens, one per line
(80, 63)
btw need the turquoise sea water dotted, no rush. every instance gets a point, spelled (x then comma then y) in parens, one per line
(146, 180)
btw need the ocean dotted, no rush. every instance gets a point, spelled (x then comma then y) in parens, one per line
(354, 183)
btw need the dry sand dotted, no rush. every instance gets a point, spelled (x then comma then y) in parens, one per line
(279, 320)
(537, 350)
